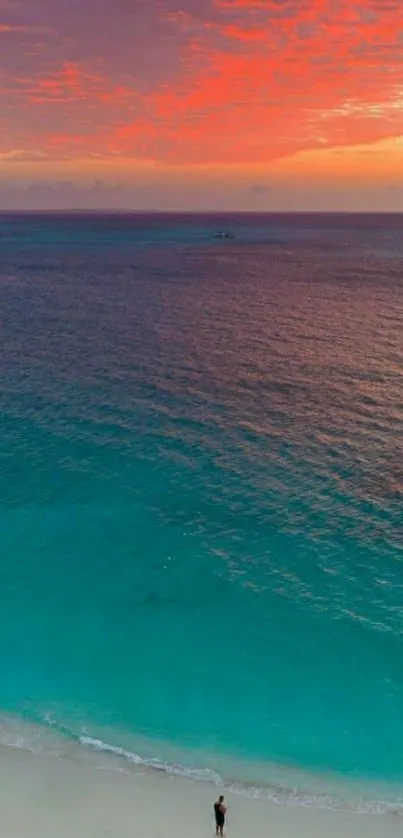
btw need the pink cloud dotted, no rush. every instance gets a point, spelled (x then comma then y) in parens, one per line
(230, 81)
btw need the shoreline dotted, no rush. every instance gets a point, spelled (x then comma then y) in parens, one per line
(246, 780)
(43, 795)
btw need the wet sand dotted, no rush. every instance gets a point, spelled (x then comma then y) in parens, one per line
(44, 796)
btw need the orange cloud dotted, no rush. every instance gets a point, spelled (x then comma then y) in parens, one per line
(6, 27)
(71, 83)
(249, 82)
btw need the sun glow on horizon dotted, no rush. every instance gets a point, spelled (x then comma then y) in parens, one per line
(256, 93)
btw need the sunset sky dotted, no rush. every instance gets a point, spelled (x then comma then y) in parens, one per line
(201, 104)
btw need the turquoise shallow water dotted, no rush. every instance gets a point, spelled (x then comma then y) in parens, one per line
(201, 487)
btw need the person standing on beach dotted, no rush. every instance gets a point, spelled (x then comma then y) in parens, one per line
(219, 813)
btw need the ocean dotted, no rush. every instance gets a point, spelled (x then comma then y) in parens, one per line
(201, 494)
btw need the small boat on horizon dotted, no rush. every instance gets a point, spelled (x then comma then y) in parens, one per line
(221, 234)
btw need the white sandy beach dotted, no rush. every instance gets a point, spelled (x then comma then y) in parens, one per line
(45, 796)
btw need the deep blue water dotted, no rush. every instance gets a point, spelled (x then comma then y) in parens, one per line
(201, 485)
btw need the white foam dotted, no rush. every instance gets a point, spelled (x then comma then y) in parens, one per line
(277, 794)
(203, 774)
(48, 739)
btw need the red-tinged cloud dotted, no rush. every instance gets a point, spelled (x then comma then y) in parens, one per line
(227, 82)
